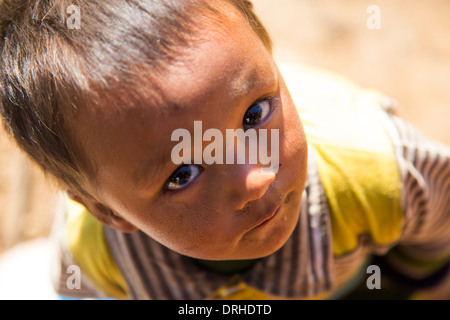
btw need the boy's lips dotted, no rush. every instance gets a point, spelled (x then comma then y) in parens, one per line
(269, 217)
(272, 213)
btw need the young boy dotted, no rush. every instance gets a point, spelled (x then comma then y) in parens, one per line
(107, 109)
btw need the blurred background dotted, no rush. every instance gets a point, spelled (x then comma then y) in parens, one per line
(407, 58)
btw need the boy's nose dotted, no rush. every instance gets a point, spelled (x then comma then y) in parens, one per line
(256, 183)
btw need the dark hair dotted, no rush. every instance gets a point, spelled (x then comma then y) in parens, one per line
(48, 70)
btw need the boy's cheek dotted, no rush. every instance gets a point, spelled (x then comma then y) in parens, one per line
(179, 222)
(194, 239)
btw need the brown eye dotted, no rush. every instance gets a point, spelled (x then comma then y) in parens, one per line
(256, 113)
(183, 176)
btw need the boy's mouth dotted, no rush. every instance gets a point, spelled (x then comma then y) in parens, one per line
(270, 218)
(273, 213)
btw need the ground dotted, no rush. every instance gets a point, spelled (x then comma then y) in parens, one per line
(408, 58)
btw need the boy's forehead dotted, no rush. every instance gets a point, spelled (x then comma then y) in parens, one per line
(221, 53)
(229, 58)
(224, 64)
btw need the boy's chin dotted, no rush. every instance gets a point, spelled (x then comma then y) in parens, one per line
(251, 252)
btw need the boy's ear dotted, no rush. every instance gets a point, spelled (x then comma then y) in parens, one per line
(103, 213)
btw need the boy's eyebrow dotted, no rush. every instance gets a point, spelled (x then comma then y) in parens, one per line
(242, 86)
(245, 84)
(142, 172)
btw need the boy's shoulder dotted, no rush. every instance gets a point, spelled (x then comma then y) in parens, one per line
(82, 243)
(348, 132)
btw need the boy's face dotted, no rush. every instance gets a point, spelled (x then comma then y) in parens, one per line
(217, 211)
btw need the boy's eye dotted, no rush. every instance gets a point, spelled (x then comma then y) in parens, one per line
(181, 177)
(256, 113)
